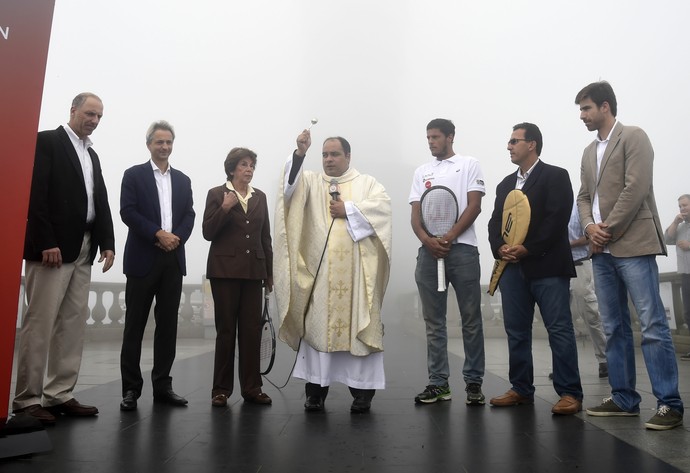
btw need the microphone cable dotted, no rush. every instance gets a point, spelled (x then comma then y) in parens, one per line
(304, 318)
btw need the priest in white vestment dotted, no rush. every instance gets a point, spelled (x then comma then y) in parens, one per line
(332, 251)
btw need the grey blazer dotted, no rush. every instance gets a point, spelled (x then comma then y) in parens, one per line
(626, 193)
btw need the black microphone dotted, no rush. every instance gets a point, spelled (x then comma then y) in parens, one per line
(333, 189)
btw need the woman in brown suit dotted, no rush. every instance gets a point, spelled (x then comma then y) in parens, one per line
(240, 263)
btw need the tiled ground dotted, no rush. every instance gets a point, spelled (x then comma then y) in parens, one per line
(395, 436)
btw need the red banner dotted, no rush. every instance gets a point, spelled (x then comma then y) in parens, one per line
(24, 37)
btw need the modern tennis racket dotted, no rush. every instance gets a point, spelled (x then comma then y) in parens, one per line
(267, 353)
(439, 212)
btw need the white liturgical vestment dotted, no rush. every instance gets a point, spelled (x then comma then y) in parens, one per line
(340, 324)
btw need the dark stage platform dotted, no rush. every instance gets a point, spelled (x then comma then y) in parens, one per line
(396, 436)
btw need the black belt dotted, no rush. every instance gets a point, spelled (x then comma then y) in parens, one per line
(580, 262)
(89, 227)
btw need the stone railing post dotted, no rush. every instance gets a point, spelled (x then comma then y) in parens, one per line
(98, 311)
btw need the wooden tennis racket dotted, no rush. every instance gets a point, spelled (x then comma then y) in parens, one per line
(515, 223)
(439, 212)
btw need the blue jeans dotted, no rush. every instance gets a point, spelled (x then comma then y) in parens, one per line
(462, 271)
(614, 279)
(552, 294)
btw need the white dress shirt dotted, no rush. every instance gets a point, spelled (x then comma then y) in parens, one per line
(164, 188)
(82, 149)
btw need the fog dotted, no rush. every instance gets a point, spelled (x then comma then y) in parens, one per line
(253, 74)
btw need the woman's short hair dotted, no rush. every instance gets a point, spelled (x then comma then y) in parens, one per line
(234, 157)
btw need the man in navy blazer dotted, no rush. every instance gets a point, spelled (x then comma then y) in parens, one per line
(539, 271)
(156, 205)
(69, 220)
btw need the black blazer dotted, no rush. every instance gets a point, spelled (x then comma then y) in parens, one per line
(140, 210)
(58, 203)
(550, 196)
(240, 242)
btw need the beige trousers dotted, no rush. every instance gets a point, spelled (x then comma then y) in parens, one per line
(52, 332)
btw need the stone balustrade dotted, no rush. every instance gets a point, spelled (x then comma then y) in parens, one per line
(107, 310)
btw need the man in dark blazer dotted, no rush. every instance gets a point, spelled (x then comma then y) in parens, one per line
(69, 219)
(539, 271)
(156, 205)
(619, 215)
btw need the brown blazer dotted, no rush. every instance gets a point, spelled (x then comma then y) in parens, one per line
(240, 242)
(626, 193)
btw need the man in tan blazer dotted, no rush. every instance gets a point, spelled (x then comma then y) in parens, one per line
(619, 215)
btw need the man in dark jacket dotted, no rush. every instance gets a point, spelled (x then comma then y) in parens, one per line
(538, 271)
(156, 205)
(69, 219)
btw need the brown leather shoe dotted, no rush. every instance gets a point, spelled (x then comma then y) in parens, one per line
(37, 412)
(219, 400)
(73, 408)
(567, 405)
(510, 398)
(261, 398)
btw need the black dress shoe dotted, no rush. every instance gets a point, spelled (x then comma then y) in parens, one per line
(313, 404)
(360, 405)
(169, 397)
(73, 408)
(129, 402)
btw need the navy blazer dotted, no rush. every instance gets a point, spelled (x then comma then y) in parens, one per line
(141, 212)
(550, 196)
(58, 202)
